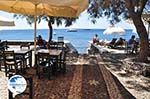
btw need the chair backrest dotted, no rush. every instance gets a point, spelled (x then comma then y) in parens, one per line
(52, 45)
(60, 39)
(113, 41)
(9, 56)
(60, 45)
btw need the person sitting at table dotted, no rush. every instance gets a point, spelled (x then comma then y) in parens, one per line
(41, 42)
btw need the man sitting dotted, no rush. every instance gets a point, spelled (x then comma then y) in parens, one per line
(133, 44)
(41, 42)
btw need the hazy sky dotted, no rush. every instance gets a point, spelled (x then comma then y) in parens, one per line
(82, 22)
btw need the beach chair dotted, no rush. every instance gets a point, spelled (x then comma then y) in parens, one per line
(119, 43)
(112, 43)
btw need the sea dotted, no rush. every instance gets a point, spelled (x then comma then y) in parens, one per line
(79, 38)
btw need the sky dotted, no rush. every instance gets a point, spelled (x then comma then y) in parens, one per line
(82, 22)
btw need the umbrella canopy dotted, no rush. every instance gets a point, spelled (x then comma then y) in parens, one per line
(6, 22)
(114, 31)
(64, 8)
(60, 8)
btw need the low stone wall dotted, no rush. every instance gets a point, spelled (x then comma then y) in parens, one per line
(19, 42)
(97, 49)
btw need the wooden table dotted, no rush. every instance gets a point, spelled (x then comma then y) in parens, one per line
(25, 54)
(50, 52)
(53, 55)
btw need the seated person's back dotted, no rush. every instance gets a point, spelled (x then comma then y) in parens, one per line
(120, 42)
(112, 43)
(41, 42)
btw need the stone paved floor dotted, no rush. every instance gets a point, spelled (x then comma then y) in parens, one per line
(85, 80)
(3, 86)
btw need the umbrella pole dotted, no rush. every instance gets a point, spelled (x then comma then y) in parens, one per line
(35, 30)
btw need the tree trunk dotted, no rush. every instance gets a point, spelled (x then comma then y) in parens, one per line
(143, 35)
(50, 31)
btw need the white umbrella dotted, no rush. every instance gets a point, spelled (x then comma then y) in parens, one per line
(114, 31)
(6, 22)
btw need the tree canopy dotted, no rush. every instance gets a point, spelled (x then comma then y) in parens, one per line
(116, 10)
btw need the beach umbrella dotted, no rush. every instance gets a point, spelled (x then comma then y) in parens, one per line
(114, 31)
(59, 8)
(6, 22)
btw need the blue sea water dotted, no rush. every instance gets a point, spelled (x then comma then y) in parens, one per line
(78, 39)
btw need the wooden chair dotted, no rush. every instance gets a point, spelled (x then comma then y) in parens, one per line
(62, 62)
(52, 45)
(12, 65)
(60, 45)
(43, 65)
(26, 46)
(1, 60)
(60, 39)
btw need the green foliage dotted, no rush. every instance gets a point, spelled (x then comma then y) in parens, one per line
(114, 10)
(58, 20)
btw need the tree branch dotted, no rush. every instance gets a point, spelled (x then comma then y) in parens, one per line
(130, 6)
(142, 5)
